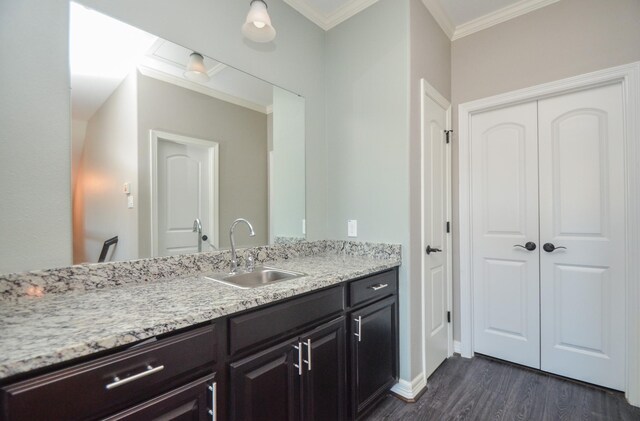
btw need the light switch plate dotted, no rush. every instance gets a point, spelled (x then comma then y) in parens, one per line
(352, 228)
(130, 202)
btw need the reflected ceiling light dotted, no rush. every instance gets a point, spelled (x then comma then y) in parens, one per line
(258, 24)
(195, 69)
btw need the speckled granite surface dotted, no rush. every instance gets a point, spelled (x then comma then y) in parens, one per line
(89, 277)
(43, 329)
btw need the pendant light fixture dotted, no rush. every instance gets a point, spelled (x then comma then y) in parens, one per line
(258, 27)
(195, 70)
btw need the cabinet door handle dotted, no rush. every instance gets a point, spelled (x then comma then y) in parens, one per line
(308, 360)
(359, 334)
(299, 365)
(117, 382)
(376, 287)
(213, 411)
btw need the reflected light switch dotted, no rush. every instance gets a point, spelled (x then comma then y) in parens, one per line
(352, 228)
(130, 202)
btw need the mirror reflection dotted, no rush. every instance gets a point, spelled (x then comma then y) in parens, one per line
(170, 147)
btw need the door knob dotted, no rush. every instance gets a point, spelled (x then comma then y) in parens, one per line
(549, 247)
(531, 246)
(432, 250)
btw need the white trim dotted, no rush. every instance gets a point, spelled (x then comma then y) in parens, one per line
(410, 390)
(457, 347)
(502, 15)
(435, 8)
(629, 77)
(427, 90)
(205, 90)
(336, 17)
(214, 189)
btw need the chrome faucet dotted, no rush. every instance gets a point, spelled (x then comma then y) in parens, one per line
(197, 227)
(234, 258)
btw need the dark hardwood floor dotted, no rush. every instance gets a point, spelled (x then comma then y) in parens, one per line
(484, 389)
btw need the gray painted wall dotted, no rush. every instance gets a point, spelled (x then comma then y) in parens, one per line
(35, 140)
(565, 39)
(367, 82)
(109, 159)
(242, 136)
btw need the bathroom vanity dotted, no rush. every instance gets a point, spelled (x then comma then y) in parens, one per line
(322, 346)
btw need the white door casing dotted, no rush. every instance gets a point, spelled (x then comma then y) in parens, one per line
(505, 215)
(436, 208)
(628, 77)
(582, 208)
(184, 186)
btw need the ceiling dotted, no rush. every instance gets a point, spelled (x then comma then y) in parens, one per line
(457, 18)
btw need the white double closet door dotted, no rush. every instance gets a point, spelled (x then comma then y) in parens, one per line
(551, 173)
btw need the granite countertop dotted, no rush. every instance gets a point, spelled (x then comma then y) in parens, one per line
(37, 332)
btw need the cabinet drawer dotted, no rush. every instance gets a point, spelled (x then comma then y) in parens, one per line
(373, 287)
(259, 326)
(100, 387)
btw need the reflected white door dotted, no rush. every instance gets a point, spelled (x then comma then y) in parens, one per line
(582, 208)
(185, 177)
(504, 153)
(436, 198)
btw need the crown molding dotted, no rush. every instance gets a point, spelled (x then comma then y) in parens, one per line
(502, 15)
(438, 13)
(327, 22)
(205, 90)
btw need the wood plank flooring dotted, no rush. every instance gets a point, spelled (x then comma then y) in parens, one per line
(484, 389)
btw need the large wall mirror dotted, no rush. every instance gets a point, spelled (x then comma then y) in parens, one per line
(170, 147)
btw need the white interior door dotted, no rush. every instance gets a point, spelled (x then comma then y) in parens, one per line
(184, 188)
(504, 156)
(435, 212)
(582, 208)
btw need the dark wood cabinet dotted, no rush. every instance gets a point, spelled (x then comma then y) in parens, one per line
(324, 378)
(303, 378)
(329, 354)
(374, 353)
(266, 385)
(192, 402)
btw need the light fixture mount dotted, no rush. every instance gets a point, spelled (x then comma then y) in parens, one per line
(257, 26)
(196, 70)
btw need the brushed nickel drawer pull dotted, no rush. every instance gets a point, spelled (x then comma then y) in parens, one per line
(118, 382)
(376, 287)
(213, 411)
(308, 360)
(299, 365)
(359, 334)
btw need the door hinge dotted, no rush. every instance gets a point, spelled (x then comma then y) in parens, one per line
(448, 227)
(448, 317)
(447, 134)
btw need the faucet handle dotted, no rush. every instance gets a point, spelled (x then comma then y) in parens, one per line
(250, 263)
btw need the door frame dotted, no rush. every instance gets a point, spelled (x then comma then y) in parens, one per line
(427, 89)
(629, 77)
(214, 152)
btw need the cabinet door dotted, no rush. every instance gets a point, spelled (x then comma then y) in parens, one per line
(194, 401)
(324, 379)
(374, 360)
(266, 385)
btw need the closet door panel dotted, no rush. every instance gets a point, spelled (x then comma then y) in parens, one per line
(505, 214)
(582, 208)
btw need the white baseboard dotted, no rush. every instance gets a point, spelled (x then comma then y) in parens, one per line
(410, 390)
(457, 347)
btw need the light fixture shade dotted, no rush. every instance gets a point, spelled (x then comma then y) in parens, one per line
(258, 26)
(195, 69)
